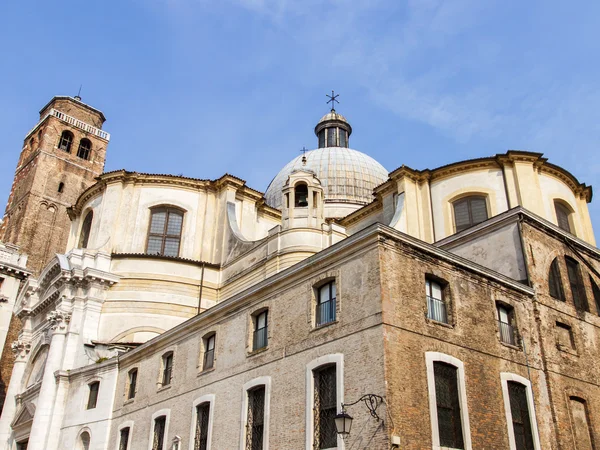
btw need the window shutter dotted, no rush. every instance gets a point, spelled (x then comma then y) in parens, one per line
(562, 217)
(478, 210)
(554, 282)
(577, 288)
(461, 215)
(596, 292)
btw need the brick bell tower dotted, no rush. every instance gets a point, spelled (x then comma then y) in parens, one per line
(60, 158)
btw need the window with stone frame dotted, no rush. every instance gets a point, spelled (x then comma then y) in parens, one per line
(124, 438)
(469, 211)
(85, 149)
(564, 337)
(521, 419)
(84, 441)
(132, 383)
(507, 323)
(255, 422)
(555, 285)
(300, 195)
(326, 303)
(325, 407)
(208, 361)
(93, 394)
(576, 285)
(66, 141)
(581, 423)
(448, 405)
(596, 294)
(260, 335)
(167, 368)
(158, 439)
(164, 234)
(562, 216)
(436, 294)
(202, 422)
(86, 229)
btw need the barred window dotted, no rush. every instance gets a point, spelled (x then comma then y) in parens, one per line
(124, 438)
(66, 139)
(201, 433)
(84, 150)
(132, 383)
(86, 228)
(506, 324)
(521, 421)
(325, 407)
(93, 395)
(436, 303)
(576, 284)
(256, 418)
(209, 352)
(469, 211)
(554, 281)
(326, 303)
(448, 405)
(159, 433)
(562, 216)
(164, 236)
(167, 361)
(260, 337)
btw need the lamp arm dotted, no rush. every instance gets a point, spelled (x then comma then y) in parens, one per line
(371, 401)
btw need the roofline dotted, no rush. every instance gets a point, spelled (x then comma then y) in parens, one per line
(79, 102)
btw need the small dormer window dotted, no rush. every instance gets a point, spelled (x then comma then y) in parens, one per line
(301, 195)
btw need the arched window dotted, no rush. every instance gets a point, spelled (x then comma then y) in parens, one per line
(85, 147)
(164, 236)
(576, 284)
(562, 216)
(301, 195)
(554, 282)
(469, 211)
(84, 237)
(84, 441)
(66, 139)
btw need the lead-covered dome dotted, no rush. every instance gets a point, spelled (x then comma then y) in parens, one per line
(347, 176)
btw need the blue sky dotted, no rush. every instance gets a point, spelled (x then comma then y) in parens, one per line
(201, 87)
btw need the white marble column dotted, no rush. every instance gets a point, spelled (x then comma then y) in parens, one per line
(40, 428)
(21, 350)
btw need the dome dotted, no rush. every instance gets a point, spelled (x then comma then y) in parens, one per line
(346, 175)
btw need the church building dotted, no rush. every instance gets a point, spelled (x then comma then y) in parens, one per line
(448, 308)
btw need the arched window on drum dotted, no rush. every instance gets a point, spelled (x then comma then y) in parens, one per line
(469, 211)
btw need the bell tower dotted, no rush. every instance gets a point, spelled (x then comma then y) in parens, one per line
(60, 158)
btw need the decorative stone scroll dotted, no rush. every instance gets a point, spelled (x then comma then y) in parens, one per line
(20, 348)
(58, 319)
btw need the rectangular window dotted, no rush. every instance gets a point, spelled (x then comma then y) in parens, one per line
(201, 435)
(331, 137)
(326, 304)
(260, 337)
(256, 418)
(159, 433)
(581, 424)
(209, 353)
(448, 405)
(564, 337)
(164, 235)
(132, 383)
(436, 305)
(93, 396)
(521, 422)
(506, 322)
(167, 369)
(325, 407)
(124, 438)
(576, 284)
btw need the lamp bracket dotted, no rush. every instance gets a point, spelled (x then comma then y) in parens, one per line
(371, 401)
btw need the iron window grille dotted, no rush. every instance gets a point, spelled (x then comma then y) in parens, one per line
(436, 305)
(448, 405)
(65, 142)
(167, 369)
(132, 383)
(159, 433)
(201, 434)
(209, 353)
(555, 286)
(562, 217)
(93, 395)
(519, 410)
(124, 438)
(325, 408)
(261, 331)
(84, 150)
(576, 284)
(164, 236)
(469, 211)
(255, 423)
(326, 304)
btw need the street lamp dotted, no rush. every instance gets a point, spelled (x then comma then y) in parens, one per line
(343, 421)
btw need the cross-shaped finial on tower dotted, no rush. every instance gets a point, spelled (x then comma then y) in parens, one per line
(332, 99)
(304, 150)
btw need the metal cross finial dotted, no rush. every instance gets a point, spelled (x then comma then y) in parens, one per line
(303, 155)
(332, 99)
(304, 150)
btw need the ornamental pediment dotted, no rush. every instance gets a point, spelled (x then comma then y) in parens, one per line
(24, 416)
